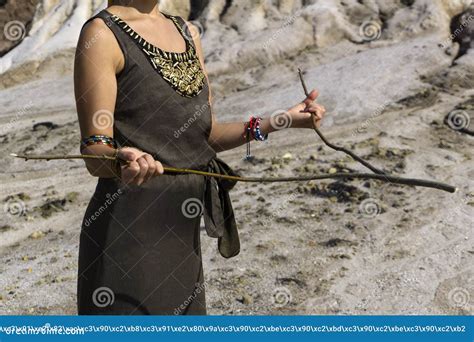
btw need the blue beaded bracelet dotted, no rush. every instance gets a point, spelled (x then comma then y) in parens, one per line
(257, 133)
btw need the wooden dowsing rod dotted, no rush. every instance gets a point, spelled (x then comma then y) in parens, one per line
(377, 174)
(384, 178)
(334, 147)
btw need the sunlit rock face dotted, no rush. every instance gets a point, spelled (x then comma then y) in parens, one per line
(366, 39)
(462, 30)
(15, 21)
(243, 26)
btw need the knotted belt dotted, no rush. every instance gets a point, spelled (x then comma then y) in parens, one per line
(218, 213)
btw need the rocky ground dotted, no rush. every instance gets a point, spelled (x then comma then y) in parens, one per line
(401, 98)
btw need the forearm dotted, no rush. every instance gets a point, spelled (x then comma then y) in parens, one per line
(98, 167)
(226, 136)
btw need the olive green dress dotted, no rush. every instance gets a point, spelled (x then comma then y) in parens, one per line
(139, 249)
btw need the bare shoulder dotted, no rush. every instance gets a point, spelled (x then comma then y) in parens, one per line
(98, 42)
(96, 30)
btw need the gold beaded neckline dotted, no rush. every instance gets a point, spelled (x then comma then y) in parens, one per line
(182, 70)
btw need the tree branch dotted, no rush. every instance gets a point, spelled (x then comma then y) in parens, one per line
(334, 147)
(383, 178)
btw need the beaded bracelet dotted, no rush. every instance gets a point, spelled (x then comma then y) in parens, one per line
(257, 133)
(252, 128)
(98, 139)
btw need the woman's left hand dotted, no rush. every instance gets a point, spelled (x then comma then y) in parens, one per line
(302, 114)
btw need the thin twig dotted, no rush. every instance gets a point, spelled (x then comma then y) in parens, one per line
(383, 178)
(334, 147)
(56, 157)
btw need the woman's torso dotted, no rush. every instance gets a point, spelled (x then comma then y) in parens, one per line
(162, 104)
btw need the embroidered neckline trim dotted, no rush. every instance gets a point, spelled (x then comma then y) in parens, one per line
(153, 49)
(181, 70)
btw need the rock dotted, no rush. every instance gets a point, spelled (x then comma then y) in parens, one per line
(462, 30)
(443, 144)
(5, 228)
(245, 298)
(72, 196)
(20, 11)
(287, 156)
(51, 206)
(48, 125)
(288, 280)
(21, 196)
(285, 219)
(37, 235)
(336, 242)
(261, 247)
(340, 192)
(278, 258)
(176, 7)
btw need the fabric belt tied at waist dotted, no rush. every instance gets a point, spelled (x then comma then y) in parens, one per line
(218, 213)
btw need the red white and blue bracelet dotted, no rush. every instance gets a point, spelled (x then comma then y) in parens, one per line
(252, 128)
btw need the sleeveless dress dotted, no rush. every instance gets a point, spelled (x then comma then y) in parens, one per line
(139, 250)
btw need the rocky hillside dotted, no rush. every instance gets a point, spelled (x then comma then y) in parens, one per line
(15, 19)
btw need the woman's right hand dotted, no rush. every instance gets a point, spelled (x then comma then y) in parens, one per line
(140, 167)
